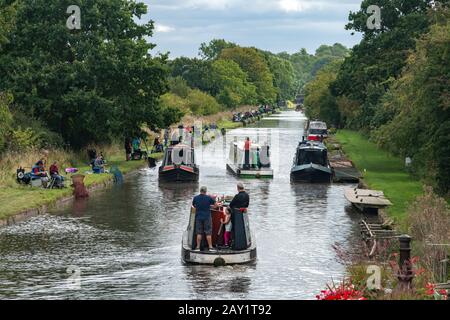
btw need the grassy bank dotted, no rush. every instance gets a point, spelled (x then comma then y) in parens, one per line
(382, 171)
(15, 198)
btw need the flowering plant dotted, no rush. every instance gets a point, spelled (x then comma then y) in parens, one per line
(345, 291)
(437, 294)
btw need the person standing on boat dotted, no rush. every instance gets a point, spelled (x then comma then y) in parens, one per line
(203, 222)
(247, 147)
(241, 200)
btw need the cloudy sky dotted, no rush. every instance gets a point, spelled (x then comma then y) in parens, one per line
(275, 25)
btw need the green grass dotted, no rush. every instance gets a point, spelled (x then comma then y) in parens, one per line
(228, 124)
(381, 171)
(17, 198)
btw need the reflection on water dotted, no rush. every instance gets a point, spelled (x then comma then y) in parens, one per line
(126, 241)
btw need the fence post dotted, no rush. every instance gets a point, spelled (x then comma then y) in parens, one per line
(405, 275)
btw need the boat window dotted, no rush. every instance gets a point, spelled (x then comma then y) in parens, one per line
(168, 159)
(316, 156)
(318, 131)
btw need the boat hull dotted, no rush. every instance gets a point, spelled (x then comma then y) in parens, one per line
(251, 173)
(311, 173)
(221, 257)
(179, 174)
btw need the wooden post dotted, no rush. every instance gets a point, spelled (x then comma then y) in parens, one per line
(405, 275)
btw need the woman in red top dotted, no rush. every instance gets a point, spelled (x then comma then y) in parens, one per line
(247, 147)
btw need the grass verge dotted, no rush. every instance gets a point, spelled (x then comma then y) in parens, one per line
(381, 171)
(15, 198)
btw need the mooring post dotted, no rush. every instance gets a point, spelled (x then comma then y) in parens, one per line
(405, 275)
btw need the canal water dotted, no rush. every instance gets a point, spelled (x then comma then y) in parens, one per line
(125, 242)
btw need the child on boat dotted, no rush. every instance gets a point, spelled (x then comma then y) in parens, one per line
(228, 226)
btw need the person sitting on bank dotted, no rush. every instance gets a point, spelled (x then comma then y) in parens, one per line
(157, 146)
(54, 173)
(38, 172)
(203, 222)
(228, 227)
(241, 201)
(98, 165)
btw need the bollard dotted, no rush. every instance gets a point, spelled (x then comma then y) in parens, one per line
(405, 275)
(80, 190)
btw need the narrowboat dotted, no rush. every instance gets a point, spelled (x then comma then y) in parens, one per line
(179, 164)
(243, 243)
(258, 165)
(311, 163)
(316, 131)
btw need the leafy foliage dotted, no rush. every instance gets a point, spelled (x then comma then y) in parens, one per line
(231, 85)
(79, 82)
(253, 63)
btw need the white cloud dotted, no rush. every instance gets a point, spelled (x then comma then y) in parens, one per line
(163, 28)
(294, 5)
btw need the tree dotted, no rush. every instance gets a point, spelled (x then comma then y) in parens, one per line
(420, 102)
(212, 50)
(5, 119)
(380, 57)
(319, 101)
(253, 63)
(179, 87)
(283, 76)
(90, 84)
(196, 72)
(231, 86)
(7, 19)
(202, 104)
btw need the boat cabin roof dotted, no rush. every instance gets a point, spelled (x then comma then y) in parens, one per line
(312, 145)
(318, 125)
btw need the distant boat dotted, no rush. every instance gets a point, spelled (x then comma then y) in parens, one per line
(316, 131)
(179, 164)
(311, 163)
(256, 169)
(243, 243)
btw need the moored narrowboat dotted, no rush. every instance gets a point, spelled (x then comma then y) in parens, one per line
(311, 163)
(316, 131)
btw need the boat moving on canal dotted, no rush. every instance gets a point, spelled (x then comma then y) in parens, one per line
(243, 245)
(259, 165)
(311, 163)
(179, 164)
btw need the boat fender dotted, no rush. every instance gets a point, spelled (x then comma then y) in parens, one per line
(219, 262)
(258, 175)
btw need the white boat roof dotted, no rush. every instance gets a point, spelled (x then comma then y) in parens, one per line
(318, 125)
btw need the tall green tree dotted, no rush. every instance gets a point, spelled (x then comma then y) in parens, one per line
(420, 104)
(89, 84)
(319, 101)
(380, 57)
(196, 72)
(254, 64)
(212, 50)
(231, 84)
